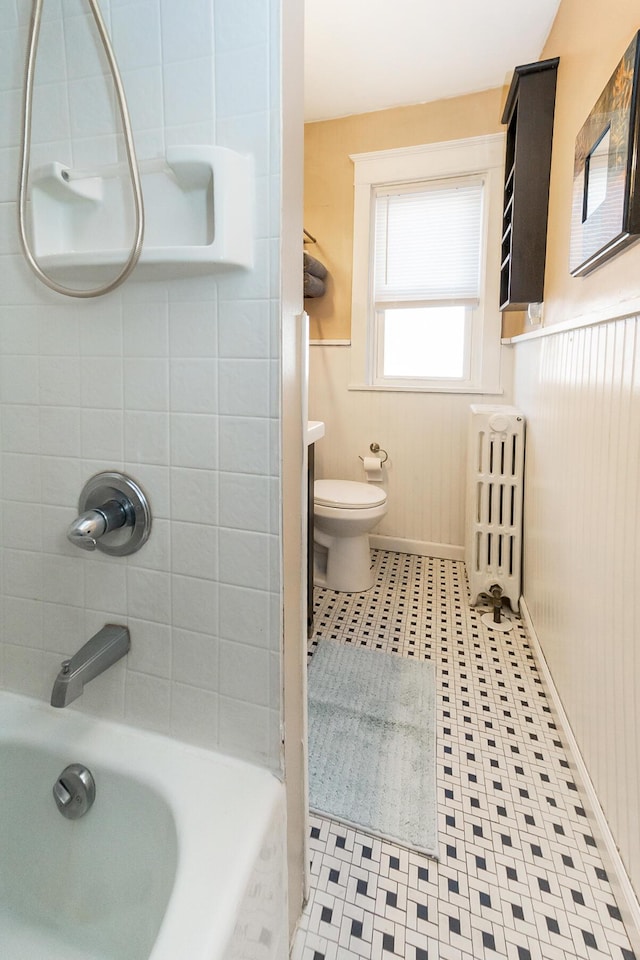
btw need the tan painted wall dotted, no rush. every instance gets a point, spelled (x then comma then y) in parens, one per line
(590, 37)
(328, 208)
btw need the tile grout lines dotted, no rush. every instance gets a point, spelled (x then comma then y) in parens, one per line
(519, 874)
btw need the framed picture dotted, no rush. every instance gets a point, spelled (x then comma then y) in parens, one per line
(605, 214)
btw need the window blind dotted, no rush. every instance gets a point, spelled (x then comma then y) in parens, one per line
(428, 242)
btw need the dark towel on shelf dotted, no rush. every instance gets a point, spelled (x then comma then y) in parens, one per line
(313, 286)
(314, 267)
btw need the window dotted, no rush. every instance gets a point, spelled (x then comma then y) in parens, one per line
(425, 294)
(422, 342)
(427, 246)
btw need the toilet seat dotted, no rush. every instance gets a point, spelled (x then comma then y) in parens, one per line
(347, 494)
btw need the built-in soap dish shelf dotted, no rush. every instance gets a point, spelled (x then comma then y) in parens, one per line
(198, 205)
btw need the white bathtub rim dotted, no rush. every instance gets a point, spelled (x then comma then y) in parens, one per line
(205, 897)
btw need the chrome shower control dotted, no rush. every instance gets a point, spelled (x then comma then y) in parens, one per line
(114, 515)
(74, 791)
(86, 529)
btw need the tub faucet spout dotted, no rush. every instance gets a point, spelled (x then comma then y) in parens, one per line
(97, 655)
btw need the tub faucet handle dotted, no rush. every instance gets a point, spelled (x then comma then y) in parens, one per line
(114, 515)
(86, 530)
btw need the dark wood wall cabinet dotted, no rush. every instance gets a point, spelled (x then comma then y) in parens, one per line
(528, 114)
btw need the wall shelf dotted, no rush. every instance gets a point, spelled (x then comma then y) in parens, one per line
(528, 114)
(198, 210)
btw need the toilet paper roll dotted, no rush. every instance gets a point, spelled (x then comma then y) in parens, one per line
(372, 468)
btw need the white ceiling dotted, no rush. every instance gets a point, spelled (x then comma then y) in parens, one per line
(363, 55)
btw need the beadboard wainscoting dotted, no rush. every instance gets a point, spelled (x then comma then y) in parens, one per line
(425, 435)
(580, 393)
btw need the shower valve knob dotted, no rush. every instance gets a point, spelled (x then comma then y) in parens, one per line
(114, 516)
(86, 530)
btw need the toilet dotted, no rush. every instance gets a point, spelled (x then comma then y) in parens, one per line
(345, 511)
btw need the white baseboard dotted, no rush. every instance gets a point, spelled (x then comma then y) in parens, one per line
(422, 548)
(616, 870)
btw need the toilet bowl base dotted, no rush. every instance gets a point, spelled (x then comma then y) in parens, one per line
(344, 564)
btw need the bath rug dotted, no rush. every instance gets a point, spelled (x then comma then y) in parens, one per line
(372, 743)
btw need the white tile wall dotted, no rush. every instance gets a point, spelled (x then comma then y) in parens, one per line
(171, 380)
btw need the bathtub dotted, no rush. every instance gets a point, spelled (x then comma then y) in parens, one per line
(181, 857)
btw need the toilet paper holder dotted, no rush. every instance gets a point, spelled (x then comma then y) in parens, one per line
(376, 448)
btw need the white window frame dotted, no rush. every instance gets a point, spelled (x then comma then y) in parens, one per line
(480, 156)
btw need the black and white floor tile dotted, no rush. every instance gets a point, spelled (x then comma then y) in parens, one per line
(519, 874)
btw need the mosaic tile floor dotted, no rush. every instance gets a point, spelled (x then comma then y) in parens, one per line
(519, 874)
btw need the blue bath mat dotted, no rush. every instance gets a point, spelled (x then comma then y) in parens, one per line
(372, 743)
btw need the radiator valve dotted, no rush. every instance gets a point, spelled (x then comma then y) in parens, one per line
(494, 619)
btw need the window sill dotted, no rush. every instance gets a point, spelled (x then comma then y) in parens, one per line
(469, 390)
